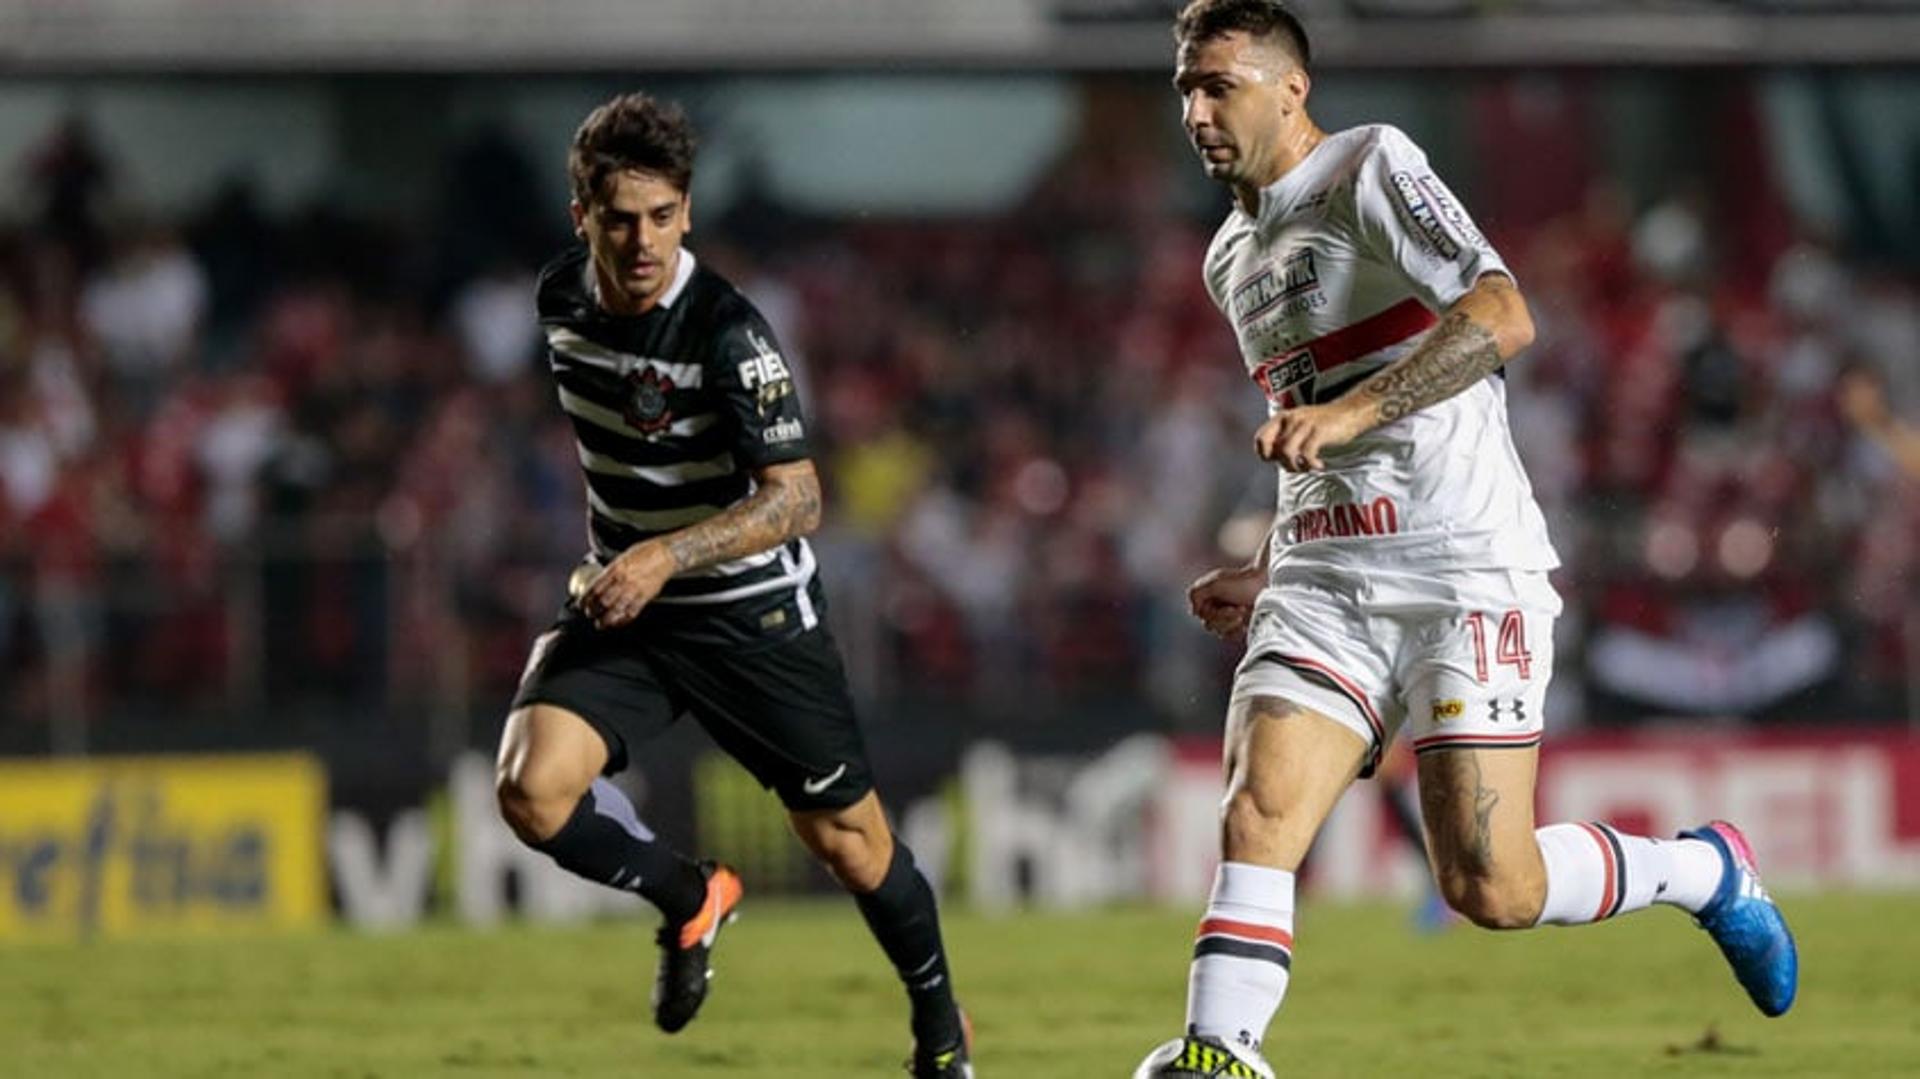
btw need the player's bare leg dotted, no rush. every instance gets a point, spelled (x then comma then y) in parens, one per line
(1286, 766)
(1478, 807)
(1501, 872)
(858, 848)
(854, 844)
(548, 781)
(548, 758)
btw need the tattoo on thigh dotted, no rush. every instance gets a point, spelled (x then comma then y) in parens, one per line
(1483, 802)
(1461, 784)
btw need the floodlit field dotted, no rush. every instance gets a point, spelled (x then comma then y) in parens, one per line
(803, 993)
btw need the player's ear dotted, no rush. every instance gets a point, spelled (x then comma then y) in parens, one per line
(1298, 84)
(686, 212)
(579, 214)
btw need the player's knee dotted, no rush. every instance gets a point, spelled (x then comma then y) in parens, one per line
(850, 854)
(1254, 824)
(1492, 900)
(535, 804)
(857, 866)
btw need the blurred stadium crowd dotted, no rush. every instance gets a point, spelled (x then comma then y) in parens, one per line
(314, 460)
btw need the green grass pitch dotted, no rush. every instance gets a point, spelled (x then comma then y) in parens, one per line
(803, 993)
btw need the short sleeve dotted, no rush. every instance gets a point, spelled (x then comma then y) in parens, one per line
(1213, 267)
(758, 395)
(1409, 220)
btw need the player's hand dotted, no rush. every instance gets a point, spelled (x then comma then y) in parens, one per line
(1223, 599)
(627, 585)
(1294, 438)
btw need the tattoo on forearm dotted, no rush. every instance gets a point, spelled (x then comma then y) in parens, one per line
(1457, 354)
(773, 514)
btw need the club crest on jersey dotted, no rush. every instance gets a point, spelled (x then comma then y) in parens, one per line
(1283, 372)
(647, 410)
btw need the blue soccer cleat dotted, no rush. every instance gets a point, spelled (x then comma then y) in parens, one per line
(1747, 925)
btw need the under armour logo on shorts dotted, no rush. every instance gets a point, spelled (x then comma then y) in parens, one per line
(1498, 709)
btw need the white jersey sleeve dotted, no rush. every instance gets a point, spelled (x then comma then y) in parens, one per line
(1409, 220)
(1217, 264)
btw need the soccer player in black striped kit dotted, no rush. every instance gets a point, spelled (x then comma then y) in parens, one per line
(700, 594)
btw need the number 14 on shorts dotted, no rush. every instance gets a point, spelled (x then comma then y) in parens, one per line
(1509, 646)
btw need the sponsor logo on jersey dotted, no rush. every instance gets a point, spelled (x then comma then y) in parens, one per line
(1295, 275)
(764, 366)
(1379, 517)
(1450, 211)
(770, 394)
(765, 373)
(784, 431)
(1423, 215)
(647, 410)
(1451, 708)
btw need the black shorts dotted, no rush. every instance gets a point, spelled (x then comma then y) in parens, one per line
(782, 709)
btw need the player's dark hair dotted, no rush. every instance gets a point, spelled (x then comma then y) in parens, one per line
(633, 131)
(1204, 20)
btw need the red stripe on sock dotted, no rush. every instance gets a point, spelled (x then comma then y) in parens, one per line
(1606, 856)
(1272, 934)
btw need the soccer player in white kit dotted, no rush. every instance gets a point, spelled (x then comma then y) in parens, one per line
(1405, 582)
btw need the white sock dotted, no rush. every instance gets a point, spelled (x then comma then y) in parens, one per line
(1594, 872)
(1242, 954)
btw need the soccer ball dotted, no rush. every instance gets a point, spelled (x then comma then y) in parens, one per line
(1190, 1058)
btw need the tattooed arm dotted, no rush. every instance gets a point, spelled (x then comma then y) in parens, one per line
(785, 503)
(1481, 331)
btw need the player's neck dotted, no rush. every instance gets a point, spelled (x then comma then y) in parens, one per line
(1295, 144)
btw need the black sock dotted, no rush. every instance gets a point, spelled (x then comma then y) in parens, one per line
(904, 918)
(605, 842)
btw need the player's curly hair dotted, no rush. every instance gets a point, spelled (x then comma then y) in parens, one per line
(1204, 20)
(632, 131)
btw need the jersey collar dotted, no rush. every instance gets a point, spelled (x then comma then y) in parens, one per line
(682, 273)
(1280, 196)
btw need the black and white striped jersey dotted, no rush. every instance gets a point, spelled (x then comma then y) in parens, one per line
(673, 410)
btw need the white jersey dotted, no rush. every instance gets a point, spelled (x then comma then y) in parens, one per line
(1336, 276)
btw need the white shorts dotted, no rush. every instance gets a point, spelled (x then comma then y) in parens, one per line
(1461, 657)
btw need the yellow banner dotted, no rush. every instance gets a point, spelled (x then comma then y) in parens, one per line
(123, 845)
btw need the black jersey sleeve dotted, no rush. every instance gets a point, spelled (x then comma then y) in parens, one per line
(758, 397)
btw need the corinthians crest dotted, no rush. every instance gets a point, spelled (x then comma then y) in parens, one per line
(646, 409)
